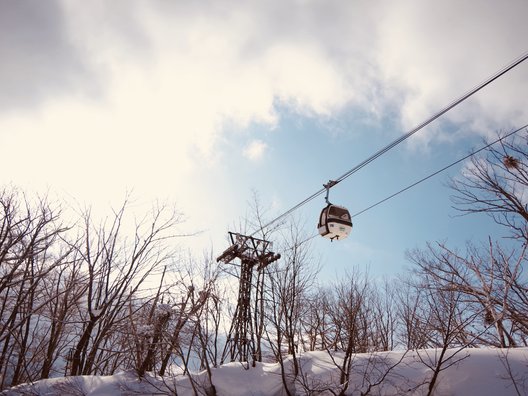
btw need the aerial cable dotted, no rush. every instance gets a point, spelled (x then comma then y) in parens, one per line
(402, 138)
(441, 170)
(429, 176)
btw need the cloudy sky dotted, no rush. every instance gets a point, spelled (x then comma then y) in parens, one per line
(204, 103)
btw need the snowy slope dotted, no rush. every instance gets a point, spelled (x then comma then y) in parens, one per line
(483, 372)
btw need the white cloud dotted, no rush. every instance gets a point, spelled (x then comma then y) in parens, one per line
(167, 99)
(255, 150)
(433, 52)
(170, 76)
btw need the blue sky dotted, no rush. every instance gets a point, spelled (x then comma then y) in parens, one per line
(201, 104)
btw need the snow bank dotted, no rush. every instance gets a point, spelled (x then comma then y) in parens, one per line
(483, 372)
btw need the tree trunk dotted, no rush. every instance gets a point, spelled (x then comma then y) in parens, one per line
(77, 361)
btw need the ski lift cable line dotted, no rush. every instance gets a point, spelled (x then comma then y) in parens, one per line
(441, 170)
(402, 138)
(429, 176)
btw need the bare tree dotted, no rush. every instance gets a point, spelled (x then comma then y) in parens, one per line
(290, 282)
(208, 317)
(29, 230)
(492, 283)
(152, 326)
(385, 317)
(117, 267)
(71, 299)
(194, 325)
(257, 221)
(63, 290)
(182, 312)
(449, 323)
(351, 310)
(497, 185)
(453, 310)
(414, 329)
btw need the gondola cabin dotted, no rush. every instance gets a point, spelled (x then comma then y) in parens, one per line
(334, 222)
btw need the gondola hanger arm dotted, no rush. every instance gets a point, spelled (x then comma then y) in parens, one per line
(328, 186)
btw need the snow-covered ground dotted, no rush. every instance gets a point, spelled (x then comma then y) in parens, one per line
(483, 372)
